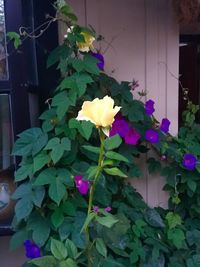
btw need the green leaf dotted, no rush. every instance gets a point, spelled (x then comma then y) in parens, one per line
(14, 36)
(30, 141)
(69, 208)
(57, 153)
(176, 236)
(38, 194)
(101, 247)
(116, 156)
(66, 143)
(115, 171)
(193, 237)
(24, 171)
(77, 81)
(192, 185)
(52, 143)
(58, 249)
(136, 111)
(46, 177)
(57, 191)
(40, 160)
(173, 219)
(57, 218)
(84, 127)
(58, 147)
(65, 229)
(153, 218)
(113, 142)
(93, 149)
(57, 182)
(194, 261)
(23, 207)
(49, 261)
(71, 248)
(58, 53)
(90, 64)
(40, 227)
(61, 101)
(69, 263)
(108, 220)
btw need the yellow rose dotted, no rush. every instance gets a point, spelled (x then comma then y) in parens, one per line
(101, 112)
(85, 46)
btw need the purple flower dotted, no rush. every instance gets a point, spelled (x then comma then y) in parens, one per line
(152, 136)
(164, 127)
(78, 178)
(120, 126)
(95, 209)
(32, 250)
(132, 137)
(108, 209)
(163, 157)
(149, 107)
(100, 58)
(189, 161)
(82, 185)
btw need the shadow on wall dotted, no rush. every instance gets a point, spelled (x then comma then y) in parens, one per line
(10, 258)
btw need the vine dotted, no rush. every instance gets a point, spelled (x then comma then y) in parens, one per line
(75, 206)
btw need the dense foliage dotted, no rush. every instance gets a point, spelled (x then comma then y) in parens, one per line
(75, 206)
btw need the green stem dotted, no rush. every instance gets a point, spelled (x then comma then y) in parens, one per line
(92, 189)
(99, 170)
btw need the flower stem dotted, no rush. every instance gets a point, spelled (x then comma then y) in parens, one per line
(99, 170)
(92, 189)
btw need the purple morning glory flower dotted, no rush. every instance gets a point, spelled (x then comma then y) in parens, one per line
(152, 136)
(82, 185)
(120, 126)
(164, 127)
(163, 157)
(132, 137)
(108, 209)
(95, 209)
(78, 178)
(149, 107)
(100, 57)
(32, 250)
(189, 161)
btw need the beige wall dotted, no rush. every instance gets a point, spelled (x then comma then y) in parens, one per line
(145, 47)
(8, 258)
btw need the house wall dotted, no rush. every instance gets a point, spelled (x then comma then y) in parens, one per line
(144, 40)
(144, 45)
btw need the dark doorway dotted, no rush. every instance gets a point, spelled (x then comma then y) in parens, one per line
(189, 70)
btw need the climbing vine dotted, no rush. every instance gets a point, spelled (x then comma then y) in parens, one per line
(74, 203)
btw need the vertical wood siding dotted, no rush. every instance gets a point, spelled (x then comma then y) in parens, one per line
(145, 47)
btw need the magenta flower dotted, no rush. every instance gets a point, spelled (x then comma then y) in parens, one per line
(100, 58)
(95, 209)
(82, 185)
(163, 157)
(149, 107)
(32, 250)
(132, 137)
(120, 126)
(152, 136)
(164, 127)
(189, 161)
(108, 209)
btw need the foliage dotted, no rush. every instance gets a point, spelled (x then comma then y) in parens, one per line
(65, 224)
